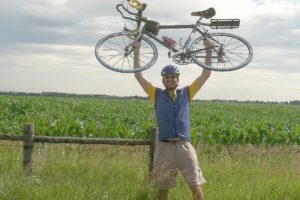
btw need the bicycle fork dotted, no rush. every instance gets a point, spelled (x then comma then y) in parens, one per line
(129, 47)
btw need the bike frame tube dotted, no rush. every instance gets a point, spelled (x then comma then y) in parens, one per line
(160, 41)
(176, 26)
(195, 28)
(185, 46)
(192, 26)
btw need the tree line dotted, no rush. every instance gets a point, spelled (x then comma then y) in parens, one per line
(62, 94)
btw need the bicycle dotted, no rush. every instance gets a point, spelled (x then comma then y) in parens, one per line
(229, 52)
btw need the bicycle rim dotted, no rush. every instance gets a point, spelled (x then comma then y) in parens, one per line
(114, 53)
(230, 52)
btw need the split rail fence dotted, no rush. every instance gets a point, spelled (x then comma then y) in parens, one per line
(29, 139)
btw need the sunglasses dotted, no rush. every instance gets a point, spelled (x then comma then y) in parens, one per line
(170, 76)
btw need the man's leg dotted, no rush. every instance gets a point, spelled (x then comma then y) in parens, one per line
(164, 169)
(190, 169)
(197, 192)
(163, 195)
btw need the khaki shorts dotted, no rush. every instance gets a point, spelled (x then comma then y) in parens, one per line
(171, 157)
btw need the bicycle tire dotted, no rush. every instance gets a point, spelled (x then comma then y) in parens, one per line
(111, 51)
(237, 52)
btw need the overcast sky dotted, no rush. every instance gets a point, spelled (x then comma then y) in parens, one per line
(48, 46)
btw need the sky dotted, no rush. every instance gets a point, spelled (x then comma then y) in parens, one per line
(48, 46)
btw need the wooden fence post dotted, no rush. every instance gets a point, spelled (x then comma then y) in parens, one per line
(28, 147)
(153, 138)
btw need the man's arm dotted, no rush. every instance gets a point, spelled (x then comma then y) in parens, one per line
(136, 63)
(199, 82)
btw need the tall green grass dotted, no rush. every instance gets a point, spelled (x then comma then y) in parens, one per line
(90, 172)
(211, 122)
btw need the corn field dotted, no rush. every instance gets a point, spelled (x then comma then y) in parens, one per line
(211, 122)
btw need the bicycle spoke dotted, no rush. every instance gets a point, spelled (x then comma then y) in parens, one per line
(140, 60)
(243, 54)
(228, 42)
(235, 54)
(114, 56)
(113, 49)
(230, 61)
(105, 45)
(237, 47)
(117, 61)
(108, 55)
(233, 59)
(129, 62)
(145, 56)
(123, 62)
(115, 43)
(233, 43)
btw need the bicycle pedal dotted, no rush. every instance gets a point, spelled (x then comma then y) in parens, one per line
(169, 54)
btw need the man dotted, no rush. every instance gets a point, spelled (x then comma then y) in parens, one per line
(174, 150)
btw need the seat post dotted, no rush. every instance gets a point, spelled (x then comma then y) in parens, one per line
(199, 20)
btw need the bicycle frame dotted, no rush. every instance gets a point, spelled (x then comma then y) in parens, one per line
(139, 19)
(195, 28)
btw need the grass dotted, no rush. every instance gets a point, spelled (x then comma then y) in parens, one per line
(90, 172)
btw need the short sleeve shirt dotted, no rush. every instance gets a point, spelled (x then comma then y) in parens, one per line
(151, 92)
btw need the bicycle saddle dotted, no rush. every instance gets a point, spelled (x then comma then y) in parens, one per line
(209, 13)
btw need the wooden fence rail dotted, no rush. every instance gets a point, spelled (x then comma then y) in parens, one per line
(78, 140)
(29, 139)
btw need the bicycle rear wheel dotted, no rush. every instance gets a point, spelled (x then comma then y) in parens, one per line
(115, 53)
(230, 52)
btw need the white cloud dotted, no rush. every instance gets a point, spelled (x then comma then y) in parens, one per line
(48, 45)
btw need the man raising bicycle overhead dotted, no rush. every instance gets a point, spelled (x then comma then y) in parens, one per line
(174, 151)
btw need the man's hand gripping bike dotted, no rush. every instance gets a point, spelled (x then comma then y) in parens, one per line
(229, 52)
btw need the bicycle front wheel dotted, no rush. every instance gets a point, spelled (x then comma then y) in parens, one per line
(230, 52)
(115, 53)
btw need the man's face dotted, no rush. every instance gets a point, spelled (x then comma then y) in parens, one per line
(170, 81)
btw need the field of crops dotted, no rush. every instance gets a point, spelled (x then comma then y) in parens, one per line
(211, 122)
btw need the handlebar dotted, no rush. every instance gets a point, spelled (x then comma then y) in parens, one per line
(121, 5)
